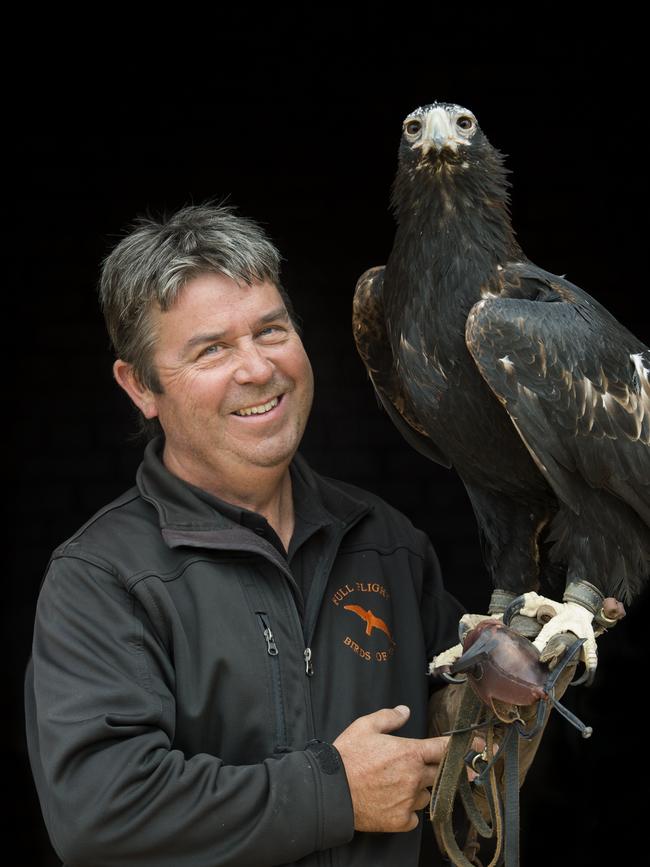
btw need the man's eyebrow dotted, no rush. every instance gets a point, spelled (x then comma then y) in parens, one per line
(198, 339)
(280, 313)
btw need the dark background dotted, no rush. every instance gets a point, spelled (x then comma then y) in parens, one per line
(296, 118)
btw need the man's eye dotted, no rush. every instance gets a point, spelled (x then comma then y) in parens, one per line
(211, 350)
(271, 332)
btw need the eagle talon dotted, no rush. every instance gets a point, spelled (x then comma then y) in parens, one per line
(586, 678)
(461, 678)
(514, 608)
(440, 664)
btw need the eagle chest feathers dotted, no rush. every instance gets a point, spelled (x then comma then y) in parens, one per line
(450, 399)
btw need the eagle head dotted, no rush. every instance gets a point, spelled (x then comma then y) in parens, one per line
(444, 154)
(440, 134)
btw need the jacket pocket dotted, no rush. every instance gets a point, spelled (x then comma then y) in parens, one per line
(273, 655)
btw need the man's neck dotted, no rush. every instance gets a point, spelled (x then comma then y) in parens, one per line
(265, 490)
(275, 504)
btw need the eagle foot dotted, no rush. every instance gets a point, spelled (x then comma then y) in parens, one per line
(572, 621)
(441, 664)
(584, 613)
(551, 626)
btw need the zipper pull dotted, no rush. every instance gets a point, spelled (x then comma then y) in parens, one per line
(309, 668)
(271, 646)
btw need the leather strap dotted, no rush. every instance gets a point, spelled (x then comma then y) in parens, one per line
(584, 594)
(492, 802)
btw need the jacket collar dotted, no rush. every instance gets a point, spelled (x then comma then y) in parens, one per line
(191, 516)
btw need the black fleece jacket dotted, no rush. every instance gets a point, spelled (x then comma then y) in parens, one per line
(182, 694)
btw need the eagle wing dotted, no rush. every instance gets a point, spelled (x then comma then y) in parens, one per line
(374, 347)
(574, 381)
(357, 609)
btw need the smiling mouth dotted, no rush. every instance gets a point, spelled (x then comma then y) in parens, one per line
(261, 409)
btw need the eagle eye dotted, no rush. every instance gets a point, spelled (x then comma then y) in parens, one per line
(413, 127)
(465, 122)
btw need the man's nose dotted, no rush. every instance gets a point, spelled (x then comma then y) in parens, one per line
(252, 366)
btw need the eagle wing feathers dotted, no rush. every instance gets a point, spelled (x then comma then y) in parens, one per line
(374, 347)
(575, 384)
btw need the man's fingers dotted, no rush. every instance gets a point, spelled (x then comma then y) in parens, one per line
(414, 821)
(422, 799)
(388, 719)
(433, 749)
(428, 775)
(388, 775)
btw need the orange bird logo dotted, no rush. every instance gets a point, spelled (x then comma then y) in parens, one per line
(372, 622)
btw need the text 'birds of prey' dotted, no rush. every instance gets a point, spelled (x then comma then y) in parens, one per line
(513, 376)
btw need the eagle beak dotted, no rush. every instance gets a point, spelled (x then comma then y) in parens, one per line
(438, 134)
(434, 144)
(438, 140)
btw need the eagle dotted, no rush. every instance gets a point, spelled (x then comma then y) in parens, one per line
(514, 377)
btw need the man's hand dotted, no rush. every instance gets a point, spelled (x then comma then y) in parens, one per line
(388, 776)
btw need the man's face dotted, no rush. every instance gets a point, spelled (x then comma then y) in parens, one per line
(237, 383)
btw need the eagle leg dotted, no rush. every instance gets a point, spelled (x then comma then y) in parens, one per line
(509, 534)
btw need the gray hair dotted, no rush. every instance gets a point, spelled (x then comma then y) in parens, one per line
(158, 257)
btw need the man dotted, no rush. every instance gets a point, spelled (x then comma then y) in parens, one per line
(229, 660)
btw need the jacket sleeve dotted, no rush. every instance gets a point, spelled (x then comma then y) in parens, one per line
(113, 790)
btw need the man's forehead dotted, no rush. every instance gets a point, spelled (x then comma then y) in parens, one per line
(216, 294)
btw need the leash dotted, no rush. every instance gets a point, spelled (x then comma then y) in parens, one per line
(491, 801)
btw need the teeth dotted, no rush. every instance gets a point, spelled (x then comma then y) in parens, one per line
(256, 410)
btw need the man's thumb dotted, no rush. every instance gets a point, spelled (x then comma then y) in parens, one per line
(389, 719)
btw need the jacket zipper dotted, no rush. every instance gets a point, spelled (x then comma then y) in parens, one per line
(311, 614)
(271, 646)
(309, 668)
(276, 683)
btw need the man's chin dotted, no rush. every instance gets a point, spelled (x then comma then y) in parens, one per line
(271, 451)
(272, 458)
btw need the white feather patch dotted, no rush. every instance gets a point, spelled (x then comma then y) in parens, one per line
(507, 364)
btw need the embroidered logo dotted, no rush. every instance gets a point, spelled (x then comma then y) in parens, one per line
(375, 627)
(372, 622)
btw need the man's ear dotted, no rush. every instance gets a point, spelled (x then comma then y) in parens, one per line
(142, 397)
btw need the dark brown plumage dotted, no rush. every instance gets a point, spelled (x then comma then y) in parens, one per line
(513, 376)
